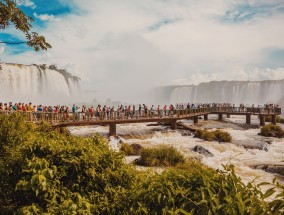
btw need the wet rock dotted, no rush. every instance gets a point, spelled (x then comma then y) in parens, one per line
(132, 159)
(254, 145)
(275, 168)
(202, 150)
(120, 141)
(155, 124)
(185, 133)
(185, 127)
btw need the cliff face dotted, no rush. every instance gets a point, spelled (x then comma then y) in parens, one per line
(236, 92)
(38, 83)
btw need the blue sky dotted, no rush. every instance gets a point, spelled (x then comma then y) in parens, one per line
(111, 43)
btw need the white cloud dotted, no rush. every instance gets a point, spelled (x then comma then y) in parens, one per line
(45, 17)
(256, 74)
(2, 49)
(111, 46)
(27, 3)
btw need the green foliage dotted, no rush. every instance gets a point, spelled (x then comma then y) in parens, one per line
(161, 156)
(208, 136)
(127, 149)
(44, 171)
(278, 119)
(133, 149)
(11, 14)
(272, 131)
(220, 136)
(196, 189)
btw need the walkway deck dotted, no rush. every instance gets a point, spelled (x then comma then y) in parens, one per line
(113, 118)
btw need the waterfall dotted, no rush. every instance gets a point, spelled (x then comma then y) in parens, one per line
(38, 84)
(235, 92)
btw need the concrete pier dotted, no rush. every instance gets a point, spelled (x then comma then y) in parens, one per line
(262, 120)
(205, 117)
(195, 119)
(248, 119)
(112, 129)
(220, 117)
(174, 124)
(273, 119)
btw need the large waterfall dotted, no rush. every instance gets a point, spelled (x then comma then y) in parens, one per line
(37, 83)
(235, 92)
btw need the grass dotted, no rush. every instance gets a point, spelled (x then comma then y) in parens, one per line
(220, 136)
(272, 131)
(133, 149)
(161, 156)
(278, 119)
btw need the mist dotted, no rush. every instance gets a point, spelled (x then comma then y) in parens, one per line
(122, 50)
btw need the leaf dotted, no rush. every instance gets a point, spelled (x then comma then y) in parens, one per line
(269, 192)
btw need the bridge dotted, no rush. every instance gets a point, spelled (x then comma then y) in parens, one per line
(164, 116)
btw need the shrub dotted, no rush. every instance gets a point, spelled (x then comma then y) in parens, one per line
(220, 136)
(208, 136)
(133, 149)
(137, 148)
(272, 131)
(278, 119)
(127, 149)
(44, 171)
(162, 156)
(197, 189)
(199, 133)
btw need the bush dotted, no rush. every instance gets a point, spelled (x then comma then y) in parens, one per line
(127, 149)
(44, 171)
(220, 136)
(162, 156)
(278, 119)
(199, 133)
(208, 136)
(137, 148)
(133, 149)
(272, 131)
(197, 189)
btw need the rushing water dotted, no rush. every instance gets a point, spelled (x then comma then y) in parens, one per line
(37, 84)
(256, 92)
(235, 153)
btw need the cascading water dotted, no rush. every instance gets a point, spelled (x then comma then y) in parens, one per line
(37, 83)
(247, 92)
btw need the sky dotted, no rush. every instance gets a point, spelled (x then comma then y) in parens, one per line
(120, 48)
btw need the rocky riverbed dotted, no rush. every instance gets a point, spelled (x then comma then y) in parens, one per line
(254, 157)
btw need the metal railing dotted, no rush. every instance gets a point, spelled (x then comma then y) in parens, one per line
(110, 115)
(249, 110)
(40, 116)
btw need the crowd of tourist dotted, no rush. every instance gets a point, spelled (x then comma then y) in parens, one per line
(63, 112)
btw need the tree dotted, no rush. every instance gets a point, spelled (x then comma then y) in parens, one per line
(11, 14)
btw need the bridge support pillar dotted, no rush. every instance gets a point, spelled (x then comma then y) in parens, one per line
(273, 119)
(174, 124)
(261, 120)
(228, 115)
(205, 117)
(248, 119)
(195, 119)
(220, 117)
(112, 129)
